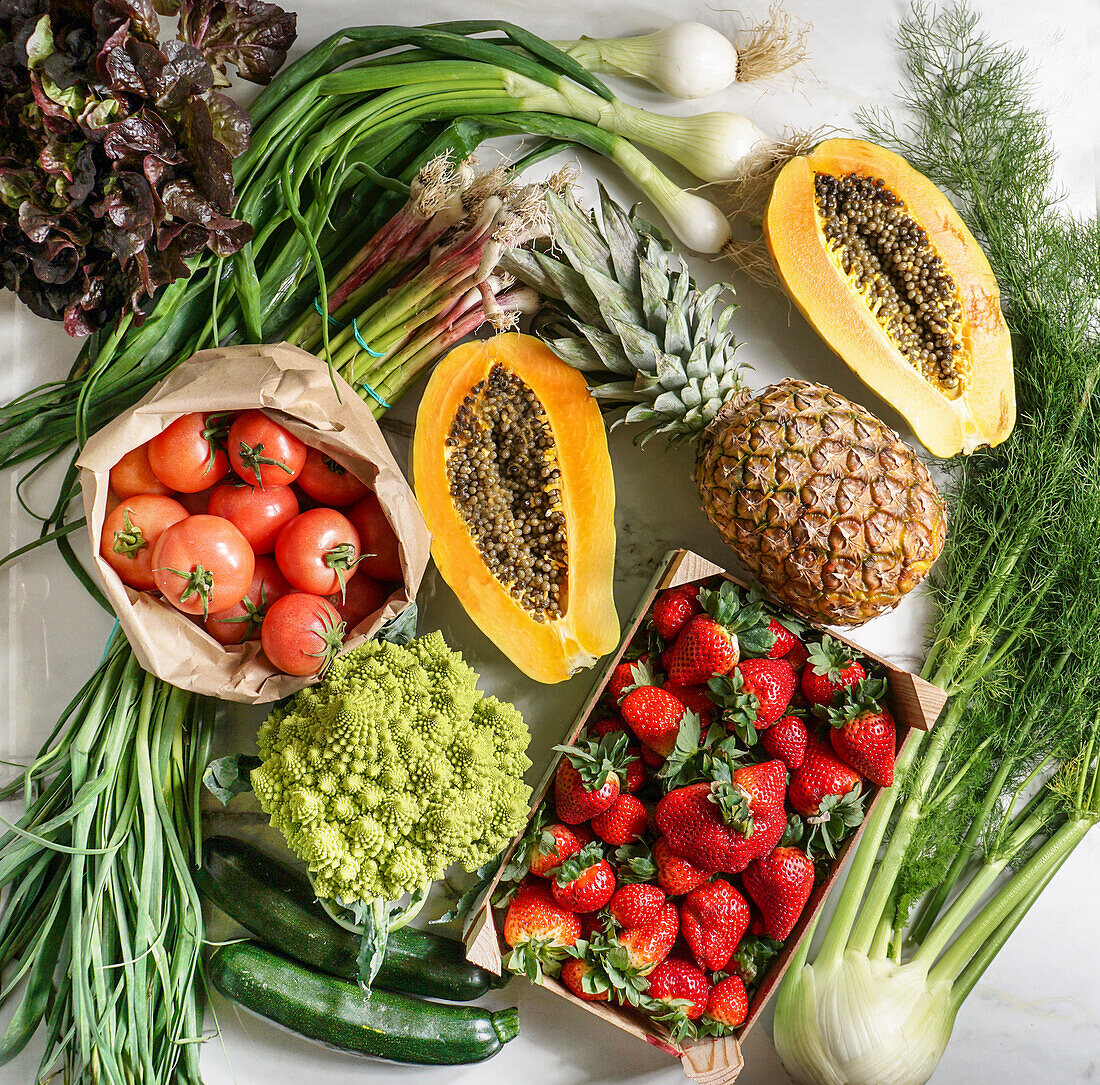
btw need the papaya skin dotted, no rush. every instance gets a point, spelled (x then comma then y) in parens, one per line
(549, 651)
(984, 412)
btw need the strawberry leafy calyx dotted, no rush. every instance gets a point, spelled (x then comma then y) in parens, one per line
(829, 657)
(610, 966)
(735, 805)
(752, 957)
(863, 697)
(738, 704)
(573, 867)
(837, 817)
(641, 674)
(595, 762)
(746, 619)
(535, 957)
(634, 863)
(673, 1013)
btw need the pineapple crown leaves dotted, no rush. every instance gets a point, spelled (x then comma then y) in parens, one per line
(830, 657)
(595, 762)
(837, 818)
(634, 863)
(740, 707)
(864, 696)
(629, 308)
(576, 865)
(746, 618)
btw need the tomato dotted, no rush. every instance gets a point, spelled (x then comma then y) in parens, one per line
(244, 620)
(259, 515)
(261, 451)
(301, 634)
(328, 483)
(190, 454)
(364, 596)
(317, 551)
(196, 503)
(130, 535)
(381, 553)
(203, 565)
(133, 475)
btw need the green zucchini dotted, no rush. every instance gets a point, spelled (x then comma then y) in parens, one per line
(276, 904)
(335, 1012)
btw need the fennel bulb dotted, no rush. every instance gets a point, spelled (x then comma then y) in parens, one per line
(862, 1022)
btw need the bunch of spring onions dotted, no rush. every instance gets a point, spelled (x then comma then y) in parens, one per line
(428, 277)
(992, 802)
(102, 920)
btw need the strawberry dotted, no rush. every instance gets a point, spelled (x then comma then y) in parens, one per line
(728, 1002)
(786, 739)
(636, 774)
(584, 981)
(591, 925)
(651, 757)
(821, 775)
(703, 649)
(717, 827)
(555, 844)
(650, 943)
(609, 725)
(830, 668)
(798, 655)
(785, 640)
(863, 734)
(695, 699)
(538, 929)
(681, 983)
(585, 882)
(773, 683)
(586, 781)
(627, 675)
(780, 884)
(622, 822)
(764, 784)
(635, 905)
(676, 876)
(673, 608)
(654, 715)
(713, 919)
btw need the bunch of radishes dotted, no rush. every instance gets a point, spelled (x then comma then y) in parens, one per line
(723, 766)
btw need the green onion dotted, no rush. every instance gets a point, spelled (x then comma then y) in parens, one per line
(102, 918)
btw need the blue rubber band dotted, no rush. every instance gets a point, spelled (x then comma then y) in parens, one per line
(110, 639)
(362, 342)
(359, 340)
(374, 395)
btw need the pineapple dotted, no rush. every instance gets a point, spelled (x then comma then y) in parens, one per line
(835, 516)
(833, 513)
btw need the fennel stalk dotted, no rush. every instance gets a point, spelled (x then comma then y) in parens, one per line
(988, 805)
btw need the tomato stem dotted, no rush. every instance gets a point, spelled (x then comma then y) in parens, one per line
(252, 456)
(200, 582)
(130, 539)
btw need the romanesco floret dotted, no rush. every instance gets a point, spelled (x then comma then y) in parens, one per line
(391, 769)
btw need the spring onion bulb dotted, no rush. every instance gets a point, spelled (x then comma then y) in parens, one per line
(692, 60)
(715, 146)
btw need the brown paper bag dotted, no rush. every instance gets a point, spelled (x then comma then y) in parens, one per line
(295, 389)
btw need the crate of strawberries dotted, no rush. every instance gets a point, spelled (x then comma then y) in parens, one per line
(697, 812)
(249, 522)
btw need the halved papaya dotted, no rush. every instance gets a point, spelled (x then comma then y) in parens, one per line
(512, 472)
(880, 263)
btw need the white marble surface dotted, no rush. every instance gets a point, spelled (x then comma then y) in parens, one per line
(1036, 1015)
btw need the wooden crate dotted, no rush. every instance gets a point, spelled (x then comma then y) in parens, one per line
(915, 704)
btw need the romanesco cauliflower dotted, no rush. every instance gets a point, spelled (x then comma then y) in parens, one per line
(391, 769)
